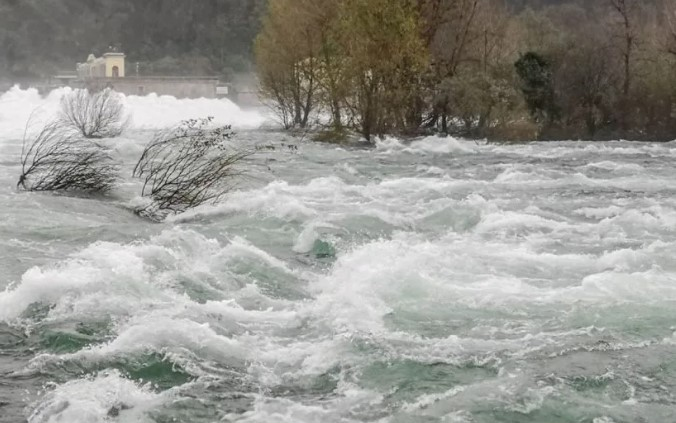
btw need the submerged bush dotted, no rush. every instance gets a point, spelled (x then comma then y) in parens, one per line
(187, 166)
(59, 159)
(97, 114)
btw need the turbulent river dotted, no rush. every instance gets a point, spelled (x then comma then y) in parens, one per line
(438, 280)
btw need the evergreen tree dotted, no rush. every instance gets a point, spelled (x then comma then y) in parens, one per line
(537, 87)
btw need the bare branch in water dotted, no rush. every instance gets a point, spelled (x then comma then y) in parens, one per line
(94, 114)
(58, 159)
(187, 166)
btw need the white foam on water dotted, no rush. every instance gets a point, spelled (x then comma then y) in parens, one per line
(153, 111)
(470, 255)
(98, 399)
(18, 106)
(275, 200)
(445, 145)
(137, 287)
(585, 150)
(618, 167)
(600, 212)
(429, 145)
(416, 275)
(426, 400)
(341, 409)
(178, 340)
(91, 272)
(21, 108)
(538, 179)
(402, 201)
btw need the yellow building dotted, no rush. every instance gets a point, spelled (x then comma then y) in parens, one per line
(114, 65)
(111, 65)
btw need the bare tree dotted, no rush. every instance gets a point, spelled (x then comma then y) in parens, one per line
(58, 159)
(95, 115)
(187, 166)
(626, 11)
(669, 24)
(287, 60)
(449, 32)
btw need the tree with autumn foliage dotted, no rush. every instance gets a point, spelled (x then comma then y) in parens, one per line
(360, 60)
(497, 69)
(384, 61)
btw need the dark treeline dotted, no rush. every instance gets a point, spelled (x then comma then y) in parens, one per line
(601, 69)
(214, 37)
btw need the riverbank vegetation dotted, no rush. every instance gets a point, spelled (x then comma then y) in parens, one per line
(601, 69)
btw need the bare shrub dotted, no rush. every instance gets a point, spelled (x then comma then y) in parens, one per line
(58, 159)
(95, 115)
(186, 166)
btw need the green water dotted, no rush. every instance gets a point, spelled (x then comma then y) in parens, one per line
(439, 281)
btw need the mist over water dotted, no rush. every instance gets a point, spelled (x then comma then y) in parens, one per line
(437, 280)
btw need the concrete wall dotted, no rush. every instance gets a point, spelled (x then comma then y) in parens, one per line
(176, 87)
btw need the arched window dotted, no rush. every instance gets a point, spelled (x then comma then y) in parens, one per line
(116, 72)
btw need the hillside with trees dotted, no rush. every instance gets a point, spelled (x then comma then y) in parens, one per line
(600, 69)
(206, 37)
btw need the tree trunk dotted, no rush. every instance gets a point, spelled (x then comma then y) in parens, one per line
(337, 116)
(591, 122)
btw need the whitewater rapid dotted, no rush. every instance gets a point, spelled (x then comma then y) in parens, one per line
(434, 280)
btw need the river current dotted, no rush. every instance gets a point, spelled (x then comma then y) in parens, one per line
(437, 280)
